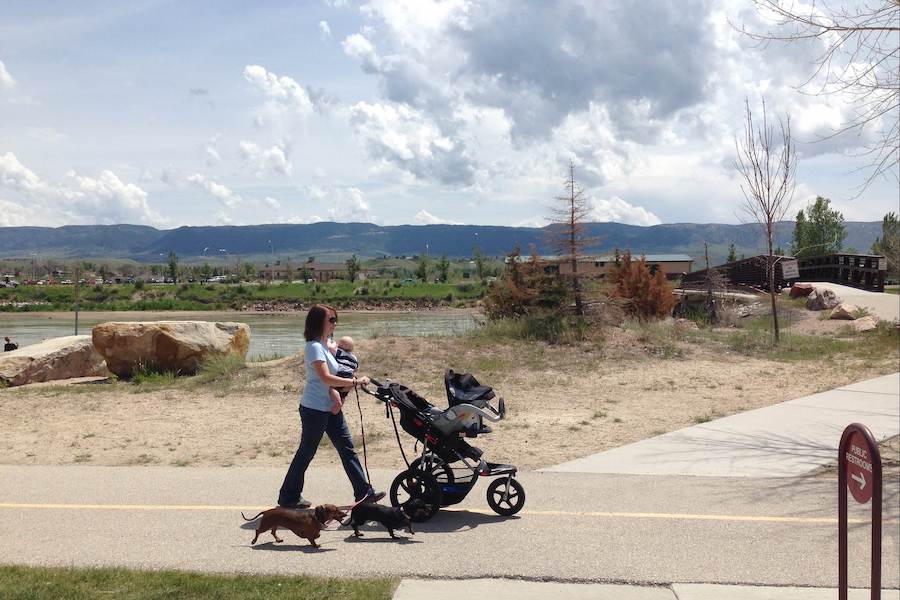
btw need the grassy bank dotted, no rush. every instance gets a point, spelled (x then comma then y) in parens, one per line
(197, 296)
(20, 583)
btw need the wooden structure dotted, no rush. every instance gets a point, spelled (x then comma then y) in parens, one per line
(672, 265)
(865, 271)
(749, 272)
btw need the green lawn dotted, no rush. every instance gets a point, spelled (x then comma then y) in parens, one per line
(21, 583)
(197, 296)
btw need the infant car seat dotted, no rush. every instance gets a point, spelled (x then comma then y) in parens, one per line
(463, 388)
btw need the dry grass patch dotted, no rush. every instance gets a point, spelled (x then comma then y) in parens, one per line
(563, 401)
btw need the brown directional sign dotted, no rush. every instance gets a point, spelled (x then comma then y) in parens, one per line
(859, 470)
(858, 463)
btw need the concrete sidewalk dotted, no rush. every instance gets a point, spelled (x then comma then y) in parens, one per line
(783, 440)
(884, 306)
(515, 589)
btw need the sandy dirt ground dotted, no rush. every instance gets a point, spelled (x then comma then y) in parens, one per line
(563, 402)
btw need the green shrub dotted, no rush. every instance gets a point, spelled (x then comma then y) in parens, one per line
(152, 374)
(219, 367)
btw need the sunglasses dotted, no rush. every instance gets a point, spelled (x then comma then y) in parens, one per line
(332, 320)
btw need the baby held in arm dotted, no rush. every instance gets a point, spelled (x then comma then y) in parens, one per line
(347, 366)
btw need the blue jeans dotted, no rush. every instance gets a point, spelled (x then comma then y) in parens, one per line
(313, 424)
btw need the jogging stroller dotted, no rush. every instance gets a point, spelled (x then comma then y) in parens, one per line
(448, 467)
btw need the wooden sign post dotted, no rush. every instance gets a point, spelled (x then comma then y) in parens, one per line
(859, 468)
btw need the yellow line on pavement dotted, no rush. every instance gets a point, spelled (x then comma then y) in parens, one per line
(528, 513)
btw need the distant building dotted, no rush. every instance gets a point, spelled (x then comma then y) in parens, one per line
(672, 265)
(317, 271)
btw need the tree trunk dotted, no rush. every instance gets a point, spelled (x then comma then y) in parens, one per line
(770, 260)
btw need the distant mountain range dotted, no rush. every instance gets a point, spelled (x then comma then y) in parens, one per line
(336, 241)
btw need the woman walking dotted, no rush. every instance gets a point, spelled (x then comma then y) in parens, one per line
(316, 416)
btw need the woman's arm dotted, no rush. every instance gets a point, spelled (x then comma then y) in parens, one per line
(334, 381)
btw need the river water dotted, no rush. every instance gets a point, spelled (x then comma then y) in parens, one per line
(271, 334)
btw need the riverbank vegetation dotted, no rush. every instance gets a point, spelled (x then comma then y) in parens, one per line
(386, 293)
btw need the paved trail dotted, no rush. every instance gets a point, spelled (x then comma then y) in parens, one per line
(581, 527)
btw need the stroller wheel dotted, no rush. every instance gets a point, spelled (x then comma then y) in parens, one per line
(438, 469)
(514, 496)
(418, 485)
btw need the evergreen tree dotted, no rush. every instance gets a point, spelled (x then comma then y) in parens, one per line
(443, 268)
(352, 265)
(173, 266)
(480, 263)
(732, 254)
(423, 268)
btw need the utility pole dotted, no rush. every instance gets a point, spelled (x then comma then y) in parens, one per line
(77, 292)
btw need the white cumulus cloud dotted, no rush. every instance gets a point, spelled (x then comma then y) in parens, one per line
(78, 199)
(617, 210)
(6, 80)
(261, 161)
(423, 217)
(324, 29)
(220, 192)
(408, 139)
(282, 92)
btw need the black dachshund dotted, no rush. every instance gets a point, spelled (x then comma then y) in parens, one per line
(391, 517)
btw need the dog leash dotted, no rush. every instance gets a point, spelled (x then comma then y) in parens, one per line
(362, 429)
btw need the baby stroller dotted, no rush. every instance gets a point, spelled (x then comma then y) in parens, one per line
(448, 467)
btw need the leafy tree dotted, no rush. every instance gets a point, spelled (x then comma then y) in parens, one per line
(732, 254)
(423, 268)
(443, 268)
(888, 244)
(173, 266)
(206, 271)
(480, 263)
(818, 230)
(779, 251)
(352, 265)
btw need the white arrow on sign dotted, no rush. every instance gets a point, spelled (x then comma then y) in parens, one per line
(860, 479)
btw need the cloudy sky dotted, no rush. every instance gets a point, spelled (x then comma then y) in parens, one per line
(397, 111)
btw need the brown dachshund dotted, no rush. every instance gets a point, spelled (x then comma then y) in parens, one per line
(305, 523)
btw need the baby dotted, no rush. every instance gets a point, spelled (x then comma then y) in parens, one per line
(347, 366)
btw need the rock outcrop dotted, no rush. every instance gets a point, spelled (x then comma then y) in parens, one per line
(799, 290)
(867, 323)
(822, 299)
(844, 312)
(57, 358)
(179, 346)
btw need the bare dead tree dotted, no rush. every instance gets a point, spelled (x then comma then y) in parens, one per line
(767, 163)
(714, 282)
(861, 59)
(567, 230)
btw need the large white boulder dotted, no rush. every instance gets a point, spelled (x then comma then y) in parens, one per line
(822, 299)
(179, 346)
(57, 358)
